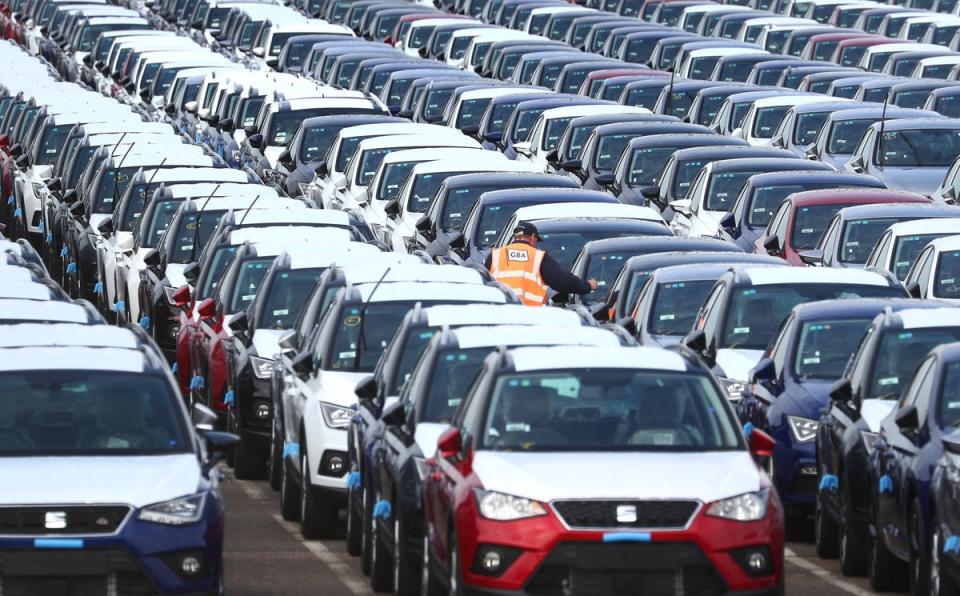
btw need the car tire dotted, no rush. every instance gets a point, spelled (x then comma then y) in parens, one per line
(248, 464)
(429, 584)
(883, 569)
(853, 543)
(919, 553)
(456, 576)
(405, 574)
(275, 463)
(941, 584)
(381, 563)
(318, 518)
(366, 540)
(826, 533)
(354, 525)
(289, 496)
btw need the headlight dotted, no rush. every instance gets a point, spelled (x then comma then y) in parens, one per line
(336, 416)
(304, 189)
(734, 388)
(869, 440)
(262, 367)
(745, 507)
(169, 293)
(176, 512)
(803, 430)
(501, 507)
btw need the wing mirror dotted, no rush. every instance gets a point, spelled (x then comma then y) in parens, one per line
(256, 141)
(226, 125)
(181, 297)
(70, 197)
(913, 288)
(729, 224)
(450, 443)
(152, 261)
(190, 107)
(394, 415)
(366, 389)
(288, 341)
(207, 309)
(907, 419)
(392, 208)
(303, 364)
(856, 163)
(258, 52)
(772, 245)
(761, 444)
(458, 241)
(764, 373)
(239, 323)
(696, 341)
(813, 257)
(105, 227)
(425, 227)
(841, 391)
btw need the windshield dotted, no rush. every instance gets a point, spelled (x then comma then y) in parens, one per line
(809, 223)
(608, 152)
(493, 219)
(286, 296)
(436, 102)
(555, 130)
(755, 313)
(899, 354)
(724, 189)
(471, 111)
(807, 127)
(676, 306)
(425, 187)
(768, 121)
(647, 165)
(565, 246)
(370, 162)
(825, 346)
(701, 68)
(738, 113)
(249, 110)
(410, 353)
(906, 249)
(845, 135)
(248, 281)
(50, 144)
(192, 234)
(378, 322)
(573, 410)
(912, 148)
(113, 183)
(765, 201)
(81, 412)
(316, 142)
(947, 282)
(458, 205)
(218, 264)
(394, 175)
(453, 374)
(709, 106)
(860, 236)
(911, 99)
(296, 52)
(645, 97)
(604, 268)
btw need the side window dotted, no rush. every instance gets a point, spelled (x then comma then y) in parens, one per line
(777, 225)
(778, 351)
(697, 190)
(880, 249)
(920, 392)
(642, 297)
(917, 267)
(710, 315)
(926, 270)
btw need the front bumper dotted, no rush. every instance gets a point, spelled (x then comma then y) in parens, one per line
(143, 558)
(795, 472)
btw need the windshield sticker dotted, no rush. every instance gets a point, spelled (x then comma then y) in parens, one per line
(351, 354)
(352, 321)
(888, 381)
(281, 312)
(667, 317)
(739, 330)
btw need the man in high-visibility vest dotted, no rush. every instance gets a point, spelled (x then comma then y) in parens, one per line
(531, 273)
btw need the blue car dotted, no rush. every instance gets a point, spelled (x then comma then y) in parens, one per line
(789, 387)
(902, 466)
(945, 519)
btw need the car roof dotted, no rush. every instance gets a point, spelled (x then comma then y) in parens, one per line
(430, 291)
(858, 307)
(496, 314)
(68, 335)
(918, 123)
(691, 272)
(517, 179)
(816, 177)
(834, 196)
(579, 357)
(493, 336)
(770, 275)
(587, 211)
(916, 318)
(71, 358)
(410, 270)
(305, 256)
(14, 309)
(936, 225)
(747, 164)
(26, 291)
(893, 112)
(946, 243)
(898, 210)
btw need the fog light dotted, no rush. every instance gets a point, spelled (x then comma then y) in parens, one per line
(174, 331)
(335, 464)
(757, 562)
(190, 565)
(262, 410)
(491, 561)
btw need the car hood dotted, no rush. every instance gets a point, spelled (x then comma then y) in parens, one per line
(564, 475)
(426, 435)
(338, 387)
(921, 180)
(809, 399)
(874, 410)
(837, 160)
(134, 480)
(666, 341)
(736, 363)
(265, 342)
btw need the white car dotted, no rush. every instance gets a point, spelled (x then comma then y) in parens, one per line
(935, 67)
(875, 57)
(466, 113)
(936, 271)
(700, 63)
(898, 248)
(764, 116)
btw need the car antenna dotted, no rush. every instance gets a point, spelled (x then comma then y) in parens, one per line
(361, 341)
(668, 108)
(149, 182)
(883, 121)
(247, 212)
(196, 229)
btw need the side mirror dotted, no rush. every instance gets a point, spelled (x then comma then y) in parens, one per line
(458, 241)
(213, 120)
(949, 195)
(764, 373)
(191, 272)
(907, 419)
(23, 162)
(729, 224)
(651, 193)
(813, 257)
(250, 130)
(469, 130)
(77, 209)
(322, 170)
(239, 323)
(571, 165)
(394, 414)
(856, 163)
(70, 197)
(841, 391)
(170, 109)
(203, 418)
(761, 444)
(450, 443)
(696, 341)
(16, 150)
(105, 227)
(812, 153)
(425, 227)
(54, 184)
(287, 341)
(772, 245)
(303, 363)
(605, 180)
(181, 296)
(226, 125)
(190, 107)
(681, 206)
(218, 442)
(366, 388)
(493, 137)
(913, 288)
(207, 309)
(392, 208)
(523, 148)
(152, 260)
(256, 140)
(146, 96)
(286, 160)
(258, 52)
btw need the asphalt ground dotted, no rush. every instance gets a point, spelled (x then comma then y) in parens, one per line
(265, 555)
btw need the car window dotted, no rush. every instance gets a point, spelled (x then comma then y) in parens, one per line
(947, 281)
(921, 398)
(675, 307)
(899, 353)
(949, 404)
(823, 347)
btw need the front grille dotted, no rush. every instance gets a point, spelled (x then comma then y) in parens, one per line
(622, 569)
(626, 513)
(93, 572)
(803, 484)
(49, 519)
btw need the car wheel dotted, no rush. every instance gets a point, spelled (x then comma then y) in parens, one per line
(456, 577)
(853, 551)
(883, 569)
(318, 518)
(941, 584)
(404, 569)
(381, 565)
(354, 526)
(289, 496)
(275, 463)
(429, 584)
(919, 554)
(230, 424)
(366, 541)
(826, 537)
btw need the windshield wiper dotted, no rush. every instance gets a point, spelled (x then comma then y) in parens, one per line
(361, 339)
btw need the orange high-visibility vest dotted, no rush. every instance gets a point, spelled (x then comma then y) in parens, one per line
(518, 266)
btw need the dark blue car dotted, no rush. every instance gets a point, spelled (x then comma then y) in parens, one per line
(945, 517)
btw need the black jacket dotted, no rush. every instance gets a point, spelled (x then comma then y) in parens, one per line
(559, 279)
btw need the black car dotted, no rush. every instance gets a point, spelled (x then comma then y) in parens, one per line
(708, 101)
(579, 130)
(611, 89)
(847, 433)
(635, 178)
(525, 115)
(945, 520)
(458, 194)
(644, 93)
(493, 210)
(676, 99)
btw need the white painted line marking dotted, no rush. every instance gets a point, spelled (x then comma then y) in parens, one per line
(338, 563)
(812, 568)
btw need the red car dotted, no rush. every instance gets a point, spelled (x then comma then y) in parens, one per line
(849, 51)
(800, 220)
(543, 484)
